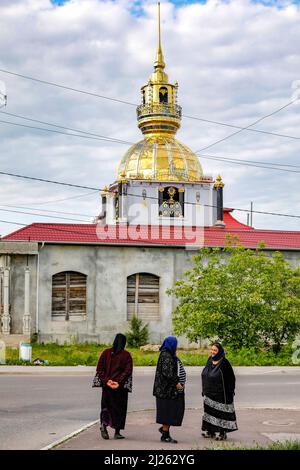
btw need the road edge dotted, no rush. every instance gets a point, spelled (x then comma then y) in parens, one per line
(69, 436)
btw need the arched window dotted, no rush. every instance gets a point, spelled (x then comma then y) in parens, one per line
(143, 296)
(69, 296)
(163, 95)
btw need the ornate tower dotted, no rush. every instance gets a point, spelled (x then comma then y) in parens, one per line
(159, 156)
(159, 179)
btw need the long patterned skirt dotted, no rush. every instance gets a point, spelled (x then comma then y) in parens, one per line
(218, 417)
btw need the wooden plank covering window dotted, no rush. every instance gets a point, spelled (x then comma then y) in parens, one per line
(1, 292)
(69, 295)
(143, 296)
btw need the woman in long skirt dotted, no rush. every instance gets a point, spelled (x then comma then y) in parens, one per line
(218, 388)
(168, 389)
(114, 369)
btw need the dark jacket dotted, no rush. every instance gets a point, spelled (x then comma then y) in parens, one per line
(218, 382)
(117, 367)
(166, 376)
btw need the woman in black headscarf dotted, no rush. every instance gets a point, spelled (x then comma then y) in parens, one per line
(218, 385)
(168, 389)
(114, 369)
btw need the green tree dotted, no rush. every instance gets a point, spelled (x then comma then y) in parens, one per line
(242, 296)
(138, 334)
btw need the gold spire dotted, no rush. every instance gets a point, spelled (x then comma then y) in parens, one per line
(159, 61)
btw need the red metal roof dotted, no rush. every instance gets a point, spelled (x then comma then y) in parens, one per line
(157, 235)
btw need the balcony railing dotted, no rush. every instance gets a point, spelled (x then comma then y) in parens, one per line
(145, 110)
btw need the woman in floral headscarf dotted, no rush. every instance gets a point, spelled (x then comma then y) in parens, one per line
(169, 389)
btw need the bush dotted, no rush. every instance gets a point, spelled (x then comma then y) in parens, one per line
(243, 297)
(138, 334)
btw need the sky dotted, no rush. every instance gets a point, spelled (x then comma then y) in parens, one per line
(236, 62)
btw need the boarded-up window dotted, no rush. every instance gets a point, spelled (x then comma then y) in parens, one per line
(69, 296)
(143, 296)
(1, 293)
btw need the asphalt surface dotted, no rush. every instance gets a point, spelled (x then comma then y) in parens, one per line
(255, 427)
(37, 409)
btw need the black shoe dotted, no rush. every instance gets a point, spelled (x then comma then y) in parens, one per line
(118, 436)
(222, 436)
(104, 432)
(161, 430)
(167, 438)
(208, 435)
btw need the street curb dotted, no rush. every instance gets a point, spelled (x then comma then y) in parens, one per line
(69, 436)
(138, 370)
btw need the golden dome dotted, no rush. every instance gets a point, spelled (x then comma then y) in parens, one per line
(160, 158)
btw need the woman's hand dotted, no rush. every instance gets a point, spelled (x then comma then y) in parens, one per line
(179, 386)
(112, 384)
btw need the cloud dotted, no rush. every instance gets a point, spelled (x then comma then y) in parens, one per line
(235, 61)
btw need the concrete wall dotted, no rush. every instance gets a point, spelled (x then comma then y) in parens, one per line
(107, 269)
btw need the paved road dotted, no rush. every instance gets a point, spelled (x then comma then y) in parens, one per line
(36, 410)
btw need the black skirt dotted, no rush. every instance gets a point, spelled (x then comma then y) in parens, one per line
(170, 411)
(114, 407)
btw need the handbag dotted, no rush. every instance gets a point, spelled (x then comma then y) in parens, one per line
(97, 382)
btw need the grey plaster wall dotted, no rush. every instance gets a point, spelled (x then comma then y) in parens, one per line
(107, 269)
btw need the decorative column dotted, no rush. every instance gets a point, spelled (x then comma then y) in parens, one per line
(6, 316)
(219, 185)
(102, 217)
(160, 199)
(122, 191)
(27, 316)
(181, 200)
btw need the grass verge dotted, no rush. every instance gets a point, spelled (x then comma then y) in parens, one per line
(88, 354)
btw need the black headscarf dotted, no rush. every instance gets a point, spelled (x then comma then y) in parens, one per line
(221, 353)
(119, 343)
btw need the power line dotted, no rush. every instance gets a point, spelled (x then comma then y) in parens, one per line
(135, 195)
(260, 131)
(247, 128)
(13, 223)
(113, 140)
(107, 139)
(47, 210)
(43, 180)
(241, 162)
(52, 201)
(45, 82)
(42, 215)
(62, 127)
